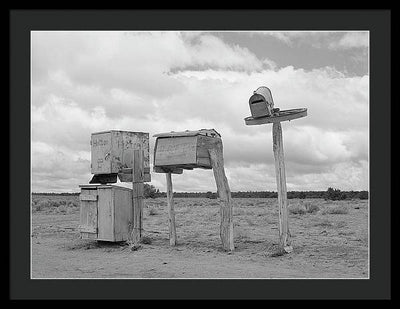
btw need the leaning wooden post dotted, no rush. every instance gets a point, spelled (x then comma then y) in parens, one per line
(284, 234)
(224, 193)
(137, 195)
(171, 211)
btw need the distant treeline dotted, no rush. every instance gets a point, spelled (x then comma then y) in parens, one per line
(272, 194)
(330, 194)
(58, 194)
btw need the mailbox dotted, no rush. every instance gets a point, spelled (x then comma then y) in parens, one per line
(105, 212)
(183, 150)
(261, 103)
(112, 155)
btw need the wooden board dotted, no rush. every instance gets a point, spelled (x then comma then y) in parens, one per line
(122, 213)
(88, 212)
(175, 151)
(126, 175)
(101, 153)
(172, 170)
(105, 214)
(285, 115)
(204, 132)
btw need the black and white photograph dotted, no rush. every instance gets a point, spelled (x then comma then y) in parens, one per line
(254, 145)
(180, 154)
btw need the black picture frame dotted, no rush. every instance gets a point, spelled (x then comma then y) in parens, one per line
(378, 22)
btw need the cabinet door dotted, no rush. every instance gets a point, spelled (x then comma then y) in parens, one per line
(88, 213)
(123, 213)
(106, 214)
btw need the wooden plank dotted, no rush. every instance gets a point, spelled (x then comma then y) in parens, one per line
(171, 211)
(284, 115)
(101, 153)
(284, 233)
(206, 132)
(172, 170)
(126, 174)
(106, 214)
(88, 197)
(137, 197)
(224, 193)
(204, 162)
(122, 213)
(88, 212)
(175, 151)
(84, 235)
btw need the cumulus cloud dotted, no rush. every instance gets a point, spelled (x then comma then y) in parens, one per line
(84, 82)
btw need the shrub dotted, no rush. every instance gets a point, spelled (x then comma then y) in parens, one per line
(323, 223)
(311, 208)
(149, 191)
(211, 195)
(62, 209)
(363, 195)
(41, 205)
(338, 210)
(297, 210)
(334, 194)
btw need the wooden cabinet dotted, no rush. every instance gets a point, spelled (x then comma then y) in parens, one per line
(105, 212)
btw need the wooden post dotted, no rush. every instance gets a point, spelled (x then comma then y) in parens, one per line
(284, 234)
(170, 201)
(224, 193)
(137, 195)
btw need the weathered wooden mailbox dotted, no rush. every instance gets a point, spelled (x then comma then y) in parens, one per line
(175, 151)
(178, 151)
(106, 212)
(263, 112)
(112, 155)
(110, 212)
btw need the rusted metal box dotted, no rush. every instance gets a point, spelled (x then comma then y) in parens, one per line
(183, 150)
(105, 212)
(112, 153)
(261, 102)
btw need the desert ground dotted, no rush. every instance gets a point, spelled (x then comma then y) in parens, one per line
(329, 238)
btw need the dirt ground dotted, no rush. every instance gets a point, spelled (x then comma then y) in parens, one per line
(329, 238)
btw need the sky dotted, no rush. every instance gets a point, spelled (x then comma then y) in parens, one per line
(85, 82)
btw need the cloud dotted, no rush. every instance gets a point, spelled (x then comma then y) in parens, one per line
(84, 82)
(335, 40)
(351, 40)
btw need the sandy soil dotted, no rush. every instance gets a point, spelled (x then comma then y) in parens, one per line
(326, 244)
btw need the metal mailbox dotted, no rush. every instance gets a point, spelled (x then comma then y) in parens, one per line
(105, 212)
(261, 102)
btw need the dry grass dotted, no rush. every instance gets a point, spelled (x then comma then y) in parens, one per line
(328, 238)
(336, 210)
(303, 208)
(54, 204)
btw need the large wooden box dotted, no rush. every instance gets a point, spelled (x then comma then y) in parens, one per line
(105, 212)
(183, 150)
(112, 152)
